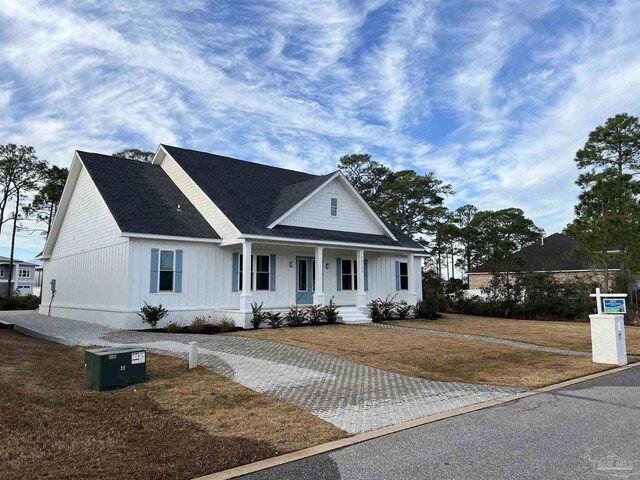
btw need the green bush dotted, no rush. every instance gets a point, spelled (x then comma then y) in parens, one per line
(152, 315)
(374, 310)
(403, 310)
(15, 302)
(257, 315)
(427, 308)
(331, 312)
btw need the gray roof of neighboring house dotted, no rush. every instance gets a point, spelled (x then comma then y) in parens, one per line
(557, 253)
(6, 260)
(253, 195)
(143, 199)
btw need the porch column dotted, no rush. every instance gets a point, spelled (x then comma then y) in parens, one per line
(412, 297)
(361, 296)
(245, 295)
(318, 293)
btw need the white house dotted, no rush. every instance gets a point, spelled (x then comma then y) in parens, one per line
(22, 277)
(204, 234)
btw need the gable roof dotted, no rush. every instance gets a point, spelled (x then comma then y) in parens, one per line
(553, 254)
(252, 196)
(143, 199)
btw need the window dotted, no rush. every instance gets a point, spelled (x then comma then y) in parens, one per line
(262, 272)
(404, 276)
(349, 275)
(334, 207)
(24, 272)
(166, 271)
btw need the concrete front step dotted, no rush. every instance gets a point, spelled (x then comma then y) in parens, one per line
(353, 315)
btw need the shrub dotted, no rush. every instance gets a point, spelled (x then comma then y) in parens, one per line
(258, 315)
(296, 316)
(316, 314)
(426, 308)
(403, 310)
(152, 315)
(199, 324)
(331, 312)
(225, 325)
(274, 319)
(173, 327)
(387, 307)
(374, 310)
(16, 302)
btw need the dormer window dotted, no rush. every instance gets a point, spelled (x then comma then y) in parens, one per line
(334, 207)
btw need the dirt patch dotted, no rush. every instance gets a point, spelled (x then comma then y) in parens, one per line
(180, 424)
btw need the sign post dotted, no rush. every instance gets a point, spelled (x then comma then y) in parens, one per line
(608, 344)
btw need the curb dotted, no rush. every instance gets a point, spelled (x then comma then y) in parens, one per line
(363, 437)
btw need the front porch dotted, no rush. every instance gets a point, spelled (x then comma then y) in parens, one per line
(279, 275)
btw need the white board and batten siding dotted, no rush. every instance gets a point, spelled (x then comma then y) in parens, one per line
(89, 260)
(316, 212)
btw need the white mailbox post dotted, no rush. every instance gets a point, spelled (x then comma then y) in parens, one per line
(608, 342)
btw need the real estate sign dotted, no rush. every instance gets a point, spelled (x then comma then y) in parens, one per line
(614, 305)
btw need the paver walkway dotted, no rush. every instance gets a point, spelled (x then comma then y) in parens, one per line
(482, 338)
(352, 396)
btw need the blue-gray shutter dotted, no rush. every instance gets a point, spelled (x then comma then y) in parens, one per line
(153, 281)
(397, 276)
(272, 273)
(366, 275)
(339, 273)
(235, 270)
(178, 285)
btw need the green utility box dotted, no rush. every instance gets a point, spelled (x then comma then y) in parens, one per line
(106, 368)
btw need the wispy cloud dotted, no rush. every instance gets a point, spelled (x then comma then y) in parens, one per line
(495, 97)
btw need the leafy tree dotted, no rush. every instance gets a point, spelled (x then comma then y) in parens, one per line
(611, 148)
(467, 235)
(503, 232)
(21, 172)
(135, 154)
(366, 175)
(608, 211)
(414, 202)
(44, 205)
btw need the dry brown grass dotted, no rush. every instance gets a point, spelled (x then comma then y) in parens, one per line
(434, 357)
(571, 335)
(179, 424)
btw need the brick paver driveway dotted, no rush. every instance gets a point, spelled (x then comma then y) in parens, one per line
(354, 397)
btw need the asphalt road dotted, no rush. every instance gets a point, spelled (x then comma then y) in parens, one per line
(590, 430)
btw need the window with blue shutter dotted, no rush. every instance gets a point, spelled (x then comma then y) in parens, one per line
(334, 207)
(397, 276)
(153, 277)
(235, 271)
(178, 283)
(339, 274)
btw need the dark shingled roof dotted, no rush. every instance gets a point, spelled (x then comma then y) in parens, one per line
(253, 195)
(143, 199)
(554, 255)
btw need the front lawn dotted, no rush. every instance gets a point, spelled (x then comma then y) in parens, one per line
(434, 357)
(571, 335)
(179, 424)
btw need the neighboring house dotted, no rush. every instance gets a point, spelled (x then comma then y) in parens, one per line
(37, 283)
(553, 254)
(22, 277)
(201, 234)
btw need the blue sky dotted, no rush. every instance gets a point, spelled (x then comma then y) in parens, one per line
(495, 97)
